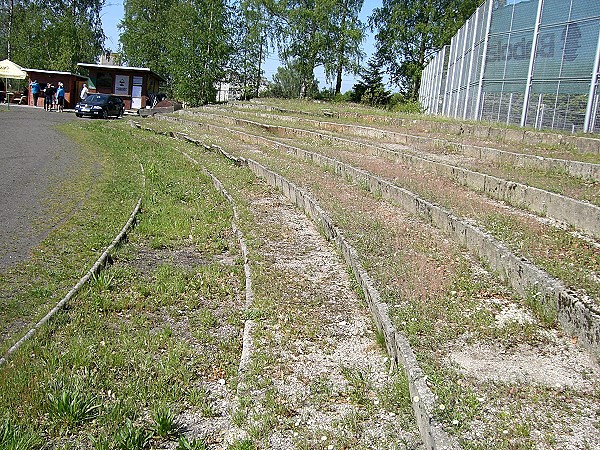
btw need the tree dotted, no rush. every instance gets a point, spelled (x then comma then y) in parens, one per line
(346, 35)
(145, 33)
(302, 32)
(370, 89)
(188, 42)
(52, 35)
(314, 33)
(409, 32)
(290, 82)
(201, 51)
(251, 45)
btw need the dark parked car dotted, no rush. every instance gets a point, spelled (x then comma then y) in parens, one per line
(100, 105)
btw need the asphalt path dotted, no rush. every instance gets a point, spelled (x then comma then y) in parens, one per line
(34, 156)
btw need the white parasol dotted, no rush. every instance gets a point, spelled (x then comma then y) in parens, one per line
(9, 69)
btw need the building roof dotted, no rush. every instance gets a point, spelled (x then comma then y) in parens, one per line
(123, 68)
(55, 72)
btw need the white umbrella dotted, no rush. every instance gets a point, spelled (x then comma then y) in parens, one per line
(9, 69)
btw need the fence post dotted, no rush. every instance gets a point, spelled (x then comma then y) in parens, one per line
(449, 80)
(483, 58)
(587, 126)
(473, 35)
(462, 46)
(429, 91)
(439, 71)
(536, 32)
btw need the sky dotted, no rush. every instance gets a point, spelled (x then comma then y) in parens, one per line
(112, 14)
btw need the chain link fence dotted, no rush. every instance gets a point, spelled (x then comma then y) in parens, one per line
(525, 62)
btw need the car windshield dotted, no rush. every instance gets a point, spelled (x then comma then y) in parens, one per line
(96, 99)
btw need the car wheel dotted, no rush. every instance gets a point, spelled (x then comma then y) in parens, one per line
(104, 114)
(79, 115)
(121, 111)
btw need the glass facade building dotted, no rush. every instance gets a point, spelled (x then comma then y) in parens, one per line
(526, 62)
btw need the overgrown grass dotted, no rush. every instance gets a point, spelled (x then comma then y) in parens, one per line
(566, 257)
(103, 369)
(435, 124)
(436, 297)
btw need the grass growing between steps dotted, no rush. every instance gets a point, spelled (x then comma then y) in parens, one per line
(571, 259)
(444, 301)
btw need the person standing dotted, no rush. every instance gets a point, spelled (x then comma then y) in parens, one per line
(54, 99)
(84, 92)
(48, 96)
(35, 91)
(60, 97)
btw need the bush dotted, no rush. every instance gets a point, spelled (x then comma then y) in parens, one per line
(398, 103)
(345, 97)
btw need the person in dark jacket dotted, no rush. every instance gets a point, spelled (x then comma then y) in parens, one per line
(48, 96)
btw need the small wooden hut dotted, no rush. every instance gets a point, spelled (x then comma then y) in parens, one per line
(72, 82)
(132, 84)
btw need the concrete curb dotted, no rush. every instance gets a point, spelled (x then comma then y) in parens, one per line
(96, 269)
(579, 214)
(573, 168)
(578, 316)
(423, 400)
(481, 130)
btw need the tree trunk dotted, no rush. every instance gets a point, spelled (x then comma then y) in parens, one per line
(260, 53)
(341, 50)
(11, 18)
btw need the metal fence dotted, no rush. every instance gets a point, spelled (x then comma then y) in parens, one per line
(525, 62)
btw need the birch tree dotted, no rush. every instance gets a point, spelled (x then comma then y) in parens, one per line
(409, 32)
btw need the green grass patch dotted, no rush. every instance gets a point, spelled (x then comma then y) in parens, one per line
(104, 369)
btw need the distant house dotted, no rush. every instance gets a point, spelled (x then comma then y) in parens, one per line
(133, 84)
(72, 82)
(228, 91)
(232, 88)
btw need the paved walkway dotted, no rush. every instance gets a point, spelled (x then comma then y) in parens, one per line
(33, 157)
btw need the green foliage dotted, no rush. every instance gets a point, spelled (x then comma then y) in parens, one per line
(13, 437)
(144, 33)
(187, 42)
(309, 34)
(73, 408)
(290, 82)
(345, 37)
(370, 90)
(165, 424)
(200, 50)
(246, 444)
(399, 103)
(52, 35)
(359, 384)
(409, 32)
(300, 29)
(131, 437)
(185, 444)
(251, 45)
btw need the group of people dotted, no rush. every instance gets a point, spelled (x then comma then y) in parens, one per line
(54, 97)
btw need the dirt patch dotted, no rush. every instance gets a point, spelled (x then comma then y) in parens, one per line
(322, 345)
(148, 259)
(560, 365)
